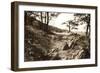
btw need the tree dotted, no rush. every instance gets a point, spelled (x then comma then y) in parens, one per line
(47, 20)
(71, 24)
(84, 18)
(41, 17)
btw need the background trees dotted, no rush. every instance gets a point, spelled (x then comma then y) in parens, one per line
(43, 17)
(46, 38)
(84, 18)
(79, 19)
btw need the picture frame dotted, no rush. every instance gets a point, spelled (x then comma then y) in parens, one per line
(51, 36)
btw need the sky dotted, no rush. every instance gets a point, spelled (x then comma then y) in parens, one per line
(63, 17)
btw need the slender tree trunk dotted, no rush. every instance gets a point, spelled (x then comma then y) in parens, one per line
(45, 18)
(88, 26)
(88, 29)
(69, 27)
(47, 21)
(41, 18)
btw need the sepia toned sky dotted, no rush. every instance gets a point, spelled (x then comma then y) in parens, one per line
(64, 17)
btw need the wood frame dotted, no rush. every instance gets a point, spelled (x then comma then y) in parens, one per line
(15, 33)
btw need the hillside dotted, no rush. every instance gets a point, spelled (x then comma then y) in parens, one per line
(56, 44)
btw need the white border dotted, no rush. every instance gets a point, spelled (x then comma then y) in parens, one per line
(23, 64)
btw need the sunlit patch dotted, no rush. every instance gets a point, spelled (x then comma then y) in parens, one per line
(60, 19)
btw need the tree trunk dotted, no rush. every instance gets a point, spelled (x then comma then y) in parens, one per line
(69, 27)
(47, 21)
(88, 26)
(41, 18)
(45, 18)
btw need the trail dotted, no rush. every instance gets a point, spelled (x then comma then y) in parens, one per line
(74, 52)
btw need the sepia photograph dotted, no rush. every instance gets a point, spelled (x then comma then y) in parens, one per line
(52, 36)
(56, 36)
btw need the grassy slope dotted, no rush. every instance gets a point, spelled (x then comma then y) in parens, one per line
(40, 45)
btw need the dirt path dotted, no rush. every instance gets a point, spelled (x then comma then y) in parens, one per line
(71, 53)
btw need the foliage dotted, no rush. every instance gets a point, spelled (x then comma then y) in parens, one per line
(45, 42)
